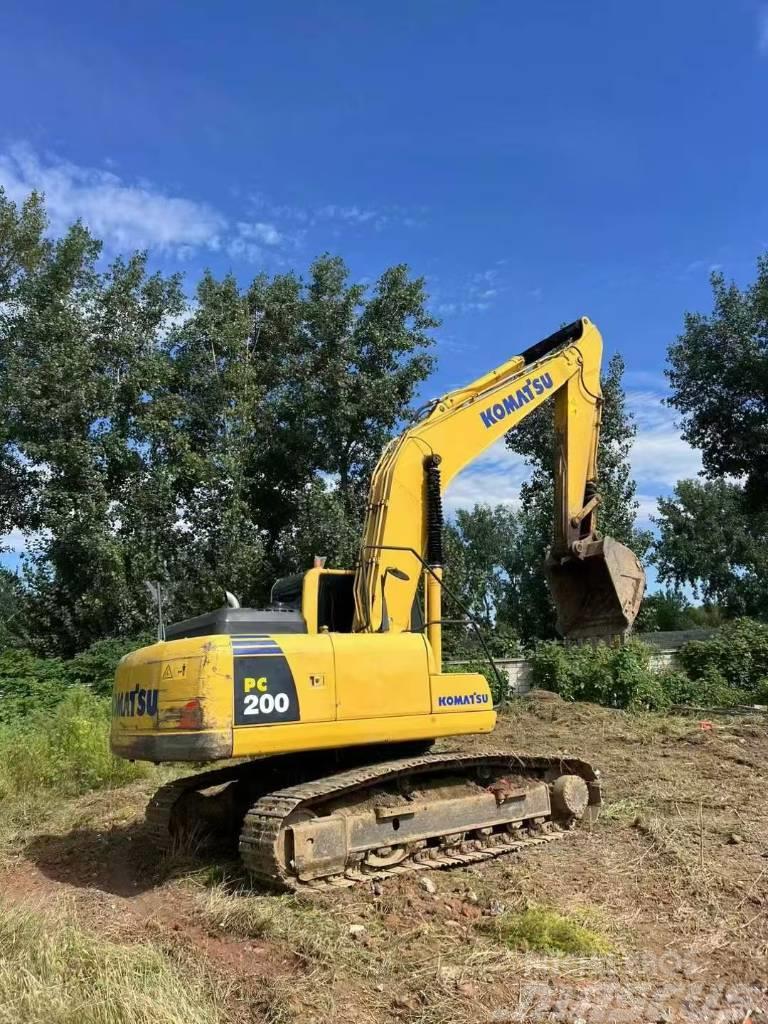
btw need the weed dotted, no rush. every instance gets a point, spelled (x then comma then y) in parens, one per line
(623, 811)
(66, 749)
(543, 930)
(312, 933)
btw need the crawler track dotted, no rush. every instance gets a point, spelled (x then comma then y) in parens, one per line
(263, 834)
(262, 799)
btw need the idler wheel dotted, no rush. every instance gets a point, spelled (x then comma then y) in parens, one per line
(570, 796)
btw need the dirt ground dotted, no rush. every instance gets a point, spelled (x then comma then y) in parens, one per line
(673, 877)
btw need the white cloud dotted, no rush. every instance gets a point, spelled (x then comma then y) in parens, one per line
(647, 506)
(494, 479)
(14, 542)
(762, 30)
(339, 214)
(140, 215)
(475, 296)
(259, 231)
(450, 308)
(252, 238)
(660, 457)
(123, 215)
(355, 214)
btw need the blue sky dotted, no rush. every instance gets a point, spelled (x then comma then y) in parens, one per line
(535, 161)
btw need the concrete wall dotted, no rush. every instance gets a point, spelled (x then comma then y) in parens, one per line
(518, 670)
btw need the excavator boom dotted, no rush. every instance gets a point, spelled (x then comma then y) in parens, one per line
(597, 584)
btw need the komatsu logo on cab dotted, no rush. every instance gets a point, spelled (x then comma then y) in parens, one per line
(532, 387)
(462, 698)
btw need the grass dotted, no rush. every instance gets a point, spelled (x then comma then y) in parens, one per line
(66, 749)
(543, 930)
(53, 972)
(624, 811)
(313, 933)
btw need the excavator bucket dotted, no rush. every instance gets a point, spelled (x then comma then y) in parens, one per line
(597, 593)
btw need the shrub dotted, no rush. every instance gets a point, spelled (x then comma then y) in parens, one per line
(483, 668)
(710, 689)
(95, 667)
(618, 677)
(29, 684)
(708, 672)
(66, 749)
(737, 656)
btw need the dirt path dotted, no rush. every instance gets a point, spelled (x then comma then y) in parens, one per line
(674, 875)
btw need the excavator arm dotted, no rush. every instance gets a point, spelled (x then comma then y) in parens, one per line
(597, 583)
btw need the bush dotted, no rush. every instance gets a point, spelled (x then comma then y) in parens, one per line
(29, 684)
(66, 749)
(618, 677)
(485, 669)
(95, 667)
(730, 668)
(736, 656)
(710, 690)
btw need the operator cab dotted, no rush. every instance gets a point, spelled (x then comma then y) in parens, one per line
(325, 597)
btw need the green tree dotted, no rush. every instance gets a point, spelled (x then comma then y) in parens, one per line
(479, 546)
(12, 618)
(711, 538)
(356, 360)
(670, 610)
(718, 372)
(77, 345)
(207, 445)
(529, 607)
(280, 400)
(22, 249)
(713, 534)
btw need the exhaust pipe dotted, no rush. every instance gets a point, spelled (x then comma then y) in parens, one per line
(597, 590)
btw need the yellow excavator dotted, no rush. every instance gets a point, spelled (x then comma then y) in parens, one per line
(330, 700)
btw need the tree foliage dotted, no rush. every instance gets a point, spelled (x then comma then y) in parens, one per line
(718, 372)
(713, 533)
(479, 548)
(710, 539)
(670, 610)
(206, 444)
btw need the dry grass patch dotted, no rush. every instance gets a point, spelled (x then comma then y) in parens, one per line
(313, 933)
(53, 972)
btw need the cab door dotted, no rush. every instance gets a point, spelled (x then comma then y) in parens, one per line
(380, 675)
